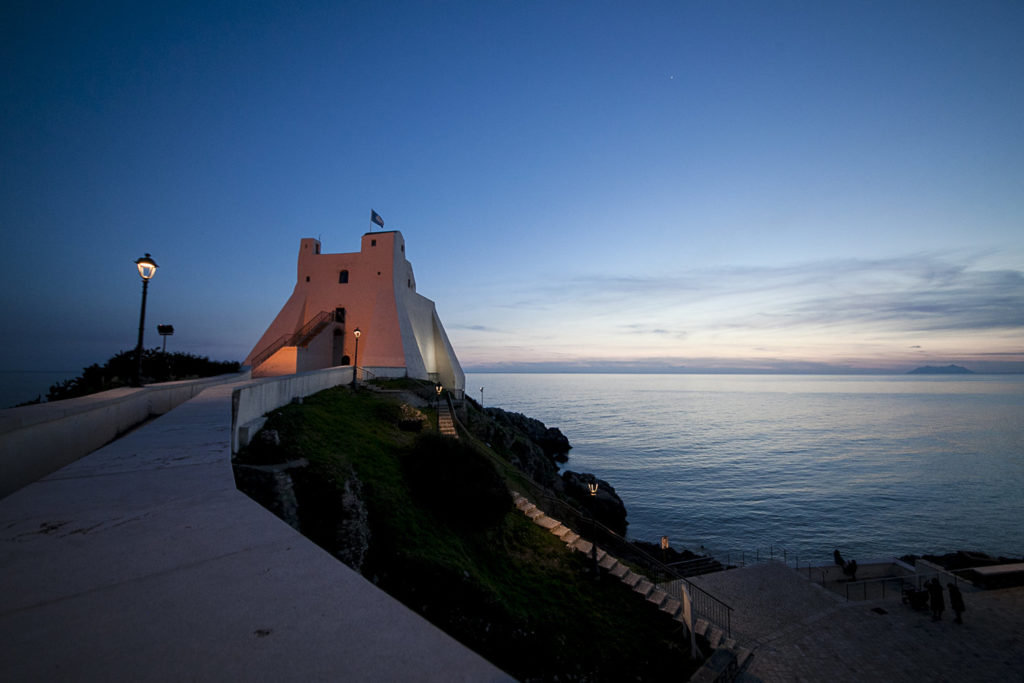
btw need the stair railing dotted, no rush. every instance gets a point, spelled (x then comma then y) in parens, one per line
(704, 604)
(296, 339)
(311, 328)
(269, 350)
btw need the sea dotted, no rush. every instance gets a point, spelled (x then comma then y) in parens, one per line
(794, 466)
(21, 386)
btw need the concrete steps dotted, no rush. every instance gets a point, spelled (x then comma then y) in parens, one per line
(640, 584)
(445, 423)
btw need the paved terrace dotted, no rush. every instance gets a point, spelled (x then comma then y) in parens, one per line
(801, 632)
(143, 562)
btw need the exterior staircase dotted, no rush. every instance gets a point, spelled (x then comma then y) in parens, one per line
(445, 424)
(301, 338)
(729, 659)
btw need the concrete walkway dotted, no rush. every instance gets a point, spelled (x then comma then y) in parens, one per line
(801, 632)
(143, 562)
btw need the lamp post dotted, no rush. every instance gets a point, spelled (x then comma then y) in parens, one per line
(437, 403)
(355, 364)
(147, 269)
(165, 331)
(481, 398)
(593, 527)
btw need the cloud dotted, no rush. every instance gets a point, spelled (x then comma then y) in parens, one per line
(915, 293)
(643, 329)
(846, 313)
(964, 300)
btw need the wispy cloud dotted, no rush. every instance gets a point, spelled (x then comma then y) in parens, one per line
(924, 292)
(847, 306)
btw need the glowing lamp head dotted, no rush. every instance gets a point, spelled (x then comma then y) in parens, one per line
(438, 388)
(593, 489)
(357, 333)
(147, 267)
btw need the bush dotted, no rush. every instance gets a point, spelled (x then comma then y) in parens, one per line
(455, 482)
(157, 366)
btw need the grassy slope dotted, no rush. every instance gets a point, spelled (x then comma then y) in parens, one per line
(447, 542)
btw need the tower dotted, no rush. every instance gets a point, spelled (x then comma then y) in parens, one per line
(373, 290)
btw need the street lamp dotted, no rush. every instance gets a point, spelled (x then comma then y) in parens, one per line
(355, 364)
(165, 331)
(593, 527)
(147, 269)
(481, 398)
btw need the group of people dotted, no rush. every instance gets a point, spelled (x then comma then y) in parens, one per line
(938, 604)
(936, 599)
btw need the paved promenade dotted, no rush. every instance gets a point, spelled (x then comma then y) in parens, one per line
(801, 632)
(142, 562)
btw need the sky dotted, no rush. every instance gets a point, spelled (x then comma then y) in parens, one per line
(632, 186)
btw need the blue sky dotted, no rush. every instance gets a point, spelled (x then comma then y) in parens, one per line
(679, 185)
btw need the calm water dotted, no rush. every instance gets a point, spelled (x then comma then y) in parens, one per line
(20, 386)
(874, 465)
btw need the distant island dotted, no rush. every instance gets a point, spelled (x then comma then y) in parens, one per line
(935, 370)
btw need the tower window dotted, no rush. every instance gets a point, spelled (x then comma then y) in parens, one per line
(342, 277)
(373, 243)
(307, 278)
(339, 317)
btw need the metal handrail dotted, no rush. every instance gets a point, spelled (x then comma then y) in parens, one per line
(759, 555)
(294, 339)
(269, 350)
(704, 604)
(911, 580)
(308, 330)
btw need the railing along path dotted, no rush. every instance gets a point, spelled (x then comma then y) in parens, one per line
(704, 604)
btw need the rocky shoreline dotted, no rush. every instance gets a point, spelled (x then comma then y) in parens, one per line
(542, 458)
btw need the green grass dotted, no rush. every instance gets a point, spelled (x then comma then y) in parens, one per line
(446, 541)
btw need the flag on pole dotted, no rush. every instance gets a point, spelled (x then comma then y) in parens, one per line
(375, 218)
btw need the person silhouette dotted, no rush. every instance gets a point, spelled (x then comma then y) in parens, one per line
(956, 602)
(935, 599)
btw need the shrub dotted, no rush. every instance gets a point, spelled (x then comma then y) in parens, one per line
(455, 482)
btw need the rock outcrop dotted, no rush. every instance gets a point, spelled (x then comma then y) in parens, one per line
(531, 446)
(608, 507)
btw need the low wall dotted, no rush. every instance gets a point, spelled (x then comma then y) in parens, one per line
(39, 439)
(251, 402)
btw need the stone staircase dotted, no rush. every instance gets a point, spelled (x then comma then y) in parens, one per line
(733, 658)
(445, 423)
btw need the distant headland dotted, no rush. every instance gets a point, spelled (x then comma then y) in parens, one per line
(945, 370)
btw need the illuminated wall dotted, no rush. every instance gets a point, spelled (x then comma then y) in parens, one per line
(373, 290)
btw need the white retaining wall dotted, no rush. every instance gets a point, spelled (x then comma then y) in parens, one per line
(251, 402)
(39, 439)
